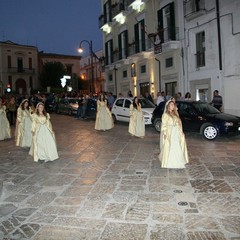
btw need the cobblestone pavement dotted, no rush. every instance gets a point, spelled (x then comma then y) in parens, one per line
(109, 185)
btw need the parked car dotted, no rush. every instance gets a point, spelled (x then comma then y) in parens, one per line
(91, 109)
(120, 109)
(201, 117)
(67, 105)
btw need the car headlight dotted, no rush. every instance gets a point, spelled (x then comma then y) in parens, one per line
(146, 113)
(228, 124)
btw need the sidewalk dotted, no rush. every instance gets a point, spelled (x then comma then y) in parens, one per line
(109, 186)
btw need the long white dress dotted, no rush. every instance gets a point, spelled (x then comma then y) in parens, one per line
(5, 132)
(136, 122)
(104, 119)
(23, 128)
(43, 145)
(173, 149)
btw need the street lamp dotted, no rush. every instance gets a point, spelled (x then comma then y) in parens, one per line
(80, 50)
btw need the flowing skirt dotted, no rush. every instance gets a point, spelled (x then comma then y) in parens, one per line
(44, 145)
(137, 125)
(176, 156)
(4, 127)
(24, 138)
(103, 120)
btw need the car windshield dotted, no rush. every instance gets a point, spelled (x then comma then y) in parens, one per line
(145, 103)
(205, 108)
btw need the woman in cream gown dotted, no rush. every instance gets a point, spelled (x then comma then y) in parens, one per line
(43, 145)
(104, 119)
(136, 123)
(5, 132)
(173, 149)
(23, 125)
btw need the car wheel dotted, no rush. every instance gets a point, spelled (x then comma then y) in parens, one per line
(157, 124)
(69, 112)
(209, 131)
(114, 118)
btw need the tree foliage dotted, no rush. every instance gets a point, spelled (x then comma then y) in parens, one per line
(51, 74)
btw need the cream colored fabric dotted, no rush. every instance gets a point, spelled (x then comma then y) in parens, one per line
(5, 132)
(173, 149)
(104, 119)
(23, 128)
(43, 145)
(136, 122)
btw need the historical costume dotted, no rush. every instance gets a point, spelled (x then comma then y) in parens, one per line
(136, 123)
(4, 123)
(43, 145)
(173, 150)
(23, 125)
(104, 119)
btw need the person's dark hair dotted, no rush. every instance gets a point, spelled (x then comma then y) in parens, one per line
(188, 95)
(22, 104)
(99, 98)
(134, 104)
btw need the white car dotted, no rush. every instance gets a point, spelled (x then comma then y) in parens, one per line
(120, 109)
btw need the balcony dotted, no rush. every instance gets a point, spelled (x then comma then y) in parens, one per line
(21, 70)
(194, 9)
(117, 8)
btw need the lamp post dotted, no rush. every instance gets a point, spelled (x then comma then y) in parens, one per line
(91, 62)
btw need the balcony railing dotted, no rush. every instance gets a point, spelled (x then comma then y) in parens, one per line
(21, 70)
(117, 8)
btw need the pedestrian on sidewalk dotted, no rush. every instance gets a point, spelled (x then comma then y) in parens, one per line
(43, 145)
(136, 122)
(104, 119)
(173, 149)
(23, 125)
(5, 132)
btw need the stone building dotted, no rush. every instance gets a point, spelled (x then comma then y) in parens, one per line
(18, 67)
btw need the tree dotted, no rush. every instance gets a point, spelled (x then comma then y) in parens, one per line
(51, 74)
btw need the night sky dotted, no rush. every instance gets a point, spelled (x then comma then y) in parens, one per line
(54, 26)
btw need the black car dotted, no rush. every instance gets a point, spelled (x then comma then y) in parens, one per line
(201, 117)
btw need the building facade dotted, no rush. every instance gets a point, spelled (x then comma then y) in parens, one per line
(71, 63)
(92, 72)
(18, 67)
(173, 46)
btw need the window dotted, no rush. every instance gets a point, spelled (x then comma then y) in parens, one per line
(110, 77)
(200, 49)
(119, 102)
(20, 64)
(125, 74)
(30, 63)
(109, 52)
(9, 62)
(168, 62)
(123, 44)
(143, 69)
(107, 11)
(139, 29)
(127, 103)
(166, 23)
(30, 82)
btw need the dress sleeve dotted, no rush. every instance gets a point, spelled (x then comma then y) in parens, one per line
(34, 123)
(131, 110)
(49, 124)
(19, 115)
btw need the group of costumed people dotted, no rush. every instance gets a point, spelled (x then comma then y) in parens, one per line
(33, 130)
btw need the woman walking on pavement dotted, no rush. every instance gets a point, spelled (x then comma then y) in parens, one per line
(5, 132)
(173, 149)
(43, 145)
(104, 119)
(136, 123)
(23, 125)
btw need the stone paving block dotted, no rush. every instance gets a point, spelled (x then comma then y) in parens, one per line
(133, 182)
(138, 212)
(66, 233)
(41, 218)
(199, 222)
(168, 218)
(218, 203)
(17, 198)
(24, 212)
(92, 209)
(205, 235)
(231, 223)
(41, 199)
(7, 208)
(103, 188)
(126, 231)
(203, 186)
(73, 201)
(60, 210)
(8, 225)
(126, 197)
(94, 224)
(115, 211)
(152, 198)
(165, 208)
(30, 190)
(77, 191)
(59, 180)
(199, 172)
(167, 232)
(99, 197)
(110, 178)
(131, 188)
